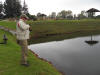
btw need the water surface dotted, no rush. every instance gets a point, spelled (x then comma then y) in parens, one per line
(71, 56)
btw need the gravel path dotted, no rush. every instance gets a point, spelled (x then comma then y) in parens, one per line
(13, 32)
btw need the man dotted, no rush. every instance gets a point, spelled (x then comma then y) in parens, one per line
(22, 30)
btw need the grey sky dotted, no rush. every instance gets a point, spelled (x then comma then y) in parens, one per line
(48, 6)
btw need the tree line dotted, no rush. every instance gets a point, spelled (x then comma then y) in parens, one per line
(13, 9)
(67, 14)
(10, 8)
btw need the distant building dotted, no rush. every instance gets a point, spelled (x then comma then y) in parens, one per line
(41, 16)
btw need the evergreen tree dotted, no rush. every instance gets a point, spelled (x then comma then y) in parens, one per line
(12, 8)
(1, 7)
(1, 11)
(25, 8)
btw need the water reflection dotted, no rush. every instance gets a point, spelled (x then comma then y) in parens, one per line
(73, 57)
(92, 42)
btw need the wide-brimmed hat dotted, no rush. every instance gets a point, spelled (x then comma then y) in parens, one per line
(24, 16)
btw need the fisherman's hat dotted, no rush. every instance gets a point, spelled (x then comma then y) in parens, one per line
(24, 16)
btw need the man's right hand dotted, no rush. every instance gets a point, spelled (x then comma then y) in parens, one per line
(30, 29)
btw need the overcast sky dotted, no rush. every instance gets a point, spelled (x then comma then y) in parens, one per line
(48, 6)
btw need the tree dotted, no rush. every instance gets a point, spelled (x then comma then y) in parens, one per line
(12, 8)
(1, 10)
(69, 15)
(1, 7)
(65, 14)
(32, 17)
(25, 8)
(82, 15)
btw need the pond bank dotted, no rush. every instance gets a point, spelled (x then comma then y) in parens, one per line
(13, 32)
(11, 66)
(60, 37)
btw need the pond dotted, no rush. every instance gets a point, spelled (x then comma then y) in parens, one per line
(72, 56)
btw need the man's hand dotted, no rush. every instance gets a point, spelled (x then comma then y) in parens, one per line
(30, 29)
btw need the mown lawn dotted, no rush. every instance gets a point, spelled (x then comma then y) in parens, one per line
(10, 55)
(70, 28)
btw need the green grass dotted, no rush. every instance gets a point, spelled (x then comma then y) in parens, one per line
(10, 55)
(40, 29)
(43, 28)
(57, 26)
(8, 24)
(62, 26)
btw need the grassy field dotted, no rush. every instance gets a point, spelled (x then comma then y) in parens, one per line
(8, 24)
(55, 28)
(10, 55)
(42, 31)
(43, 28)
(58, 26)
